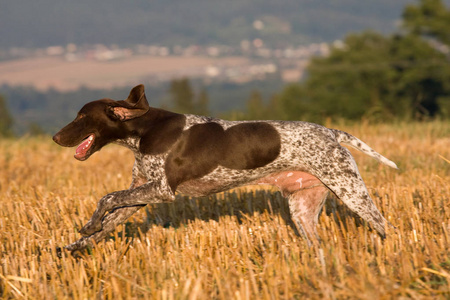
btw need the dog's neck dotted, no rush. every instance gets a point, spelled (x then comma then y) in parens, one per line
(131, 143)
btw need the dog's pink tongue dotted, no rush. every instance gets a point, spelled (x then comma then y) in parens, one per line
(82, 149)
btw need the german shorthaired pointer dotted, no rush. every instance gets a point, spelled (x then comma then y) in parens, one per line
(198, 156)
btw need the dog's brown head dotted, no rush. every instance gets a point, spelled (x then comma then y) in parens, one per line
(103, 121)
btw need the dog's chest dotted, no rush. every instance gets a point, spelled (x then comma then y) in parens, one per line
(151, 167)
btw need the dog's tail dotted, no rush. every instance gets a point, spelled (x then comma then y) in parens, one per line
(348, 139)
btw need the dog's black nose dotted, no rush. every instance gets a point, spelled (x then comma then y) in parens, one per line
(56, 138)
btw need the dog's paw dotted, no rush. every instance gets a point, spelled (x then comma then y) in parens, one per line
(90, 228)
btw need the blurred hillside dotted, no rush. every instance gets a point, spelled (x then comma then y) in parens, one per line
(42, 23)
(367, 75)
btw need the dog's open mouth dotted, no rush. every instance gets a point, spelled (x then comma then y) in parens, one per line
(83, 148)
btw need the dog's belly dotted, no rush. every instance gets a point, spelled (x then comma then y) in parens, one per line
(202, 187)
(287, 181)
(290, 181)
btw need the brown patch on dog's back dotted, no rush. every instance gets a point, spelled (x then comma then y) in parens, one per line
(195, 154)
(204, 147)
(251, 145)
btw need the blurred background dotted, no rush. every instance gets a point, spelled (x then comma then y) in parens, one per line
(320, 61)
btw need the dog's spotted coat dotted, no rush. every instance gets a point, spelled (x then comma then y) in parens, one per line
(198, 155)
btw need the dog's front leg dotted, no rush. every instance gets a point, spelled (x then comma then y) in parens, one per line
(148, 193)
(109, 223)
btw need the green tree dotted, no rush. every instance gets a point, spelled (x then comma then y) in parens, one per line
(182, 95)
(421, 75)
(350, 83)
(275, 110)
(6, 119)
(256, 109)
(378, 77)
(429, 18)
(292, 104)
(202, 104)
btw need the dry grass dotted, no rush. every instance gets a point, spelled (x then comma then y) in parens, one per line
(234, 246)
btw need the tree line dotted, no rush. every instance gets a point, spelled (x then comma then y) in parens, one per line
(403, 76)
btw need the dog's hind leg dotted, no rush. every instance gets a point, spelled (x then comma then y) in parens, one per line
(342, 177)
(305, 206)
(150, 192)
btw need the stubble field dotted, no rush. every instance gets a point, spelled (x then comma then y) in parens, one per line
(238, 245)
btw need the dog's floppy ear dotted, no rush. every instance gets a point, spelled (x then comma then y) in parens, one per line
(134, 106)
